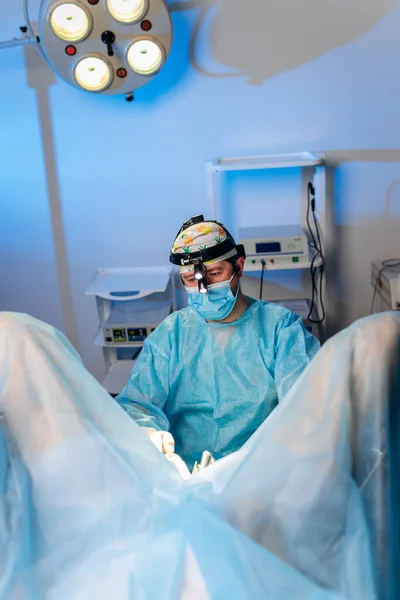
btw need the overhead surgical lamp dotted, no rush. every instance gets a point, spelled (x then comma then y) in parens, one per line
(103, 46)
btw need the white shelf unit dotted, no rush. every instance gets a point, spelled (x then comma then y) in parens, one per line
(138, 296)
(269, 161)
(313, 169)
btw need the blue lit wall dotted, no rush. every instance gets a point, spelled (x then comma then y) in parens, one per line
(294, 77)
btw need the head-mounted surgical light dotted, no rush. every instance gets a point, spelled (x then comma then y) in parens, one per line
(106, 46)
(203, 287)
(199, 271)
(200, 274)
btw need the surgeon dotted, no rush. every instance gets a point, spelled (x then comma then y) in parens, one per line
(211, 373)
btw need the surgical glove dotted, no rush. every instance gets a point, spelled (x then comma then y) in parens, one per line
(179, 464)
(163, 440)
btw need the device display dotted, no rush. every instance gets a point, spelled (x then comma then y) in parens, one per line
(119, 335)
(268, 247)
(126, 335)
(136, 335)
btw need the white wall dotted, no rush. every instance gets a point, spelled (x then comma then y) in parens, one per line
(283, 76)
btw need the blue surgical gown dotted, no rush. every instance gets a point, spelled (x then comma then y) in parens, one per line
(213, 384)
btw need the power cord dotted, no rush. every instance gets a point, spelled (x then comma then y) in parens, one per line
(390, 263)
(264, 264)
(311, 204)
(316, 245)
(321, 271)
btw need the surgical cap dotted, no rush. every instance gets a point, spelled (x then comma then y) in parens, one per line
(202, 236)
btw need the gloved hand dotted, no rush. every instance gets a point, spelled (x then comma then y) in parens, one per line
(162, 440)
(179, 465)
(165, 443)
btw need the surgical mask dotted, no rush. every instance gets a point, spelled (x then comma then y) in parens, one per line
(217, 304)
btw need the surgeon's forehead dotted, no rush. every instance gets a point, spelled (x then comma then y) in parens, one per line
(217, 266)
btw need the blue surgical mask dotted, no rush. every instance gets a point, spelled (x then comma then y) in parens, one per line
(217, 304)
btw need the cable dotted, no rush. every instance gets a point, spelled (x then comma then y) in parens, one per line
(263, 263)
(315, 244)
(310, 192)
(322, 265)
(390, 263)
(313, 269)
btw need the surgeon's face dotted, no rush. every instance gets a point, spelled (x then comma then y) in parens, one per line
(216, 273)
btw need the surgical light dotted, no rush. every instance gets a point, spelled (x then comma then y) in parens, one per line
(145, 57)
(105, 46)
(203, 287)
(93, 74)
(127, 11)
(198, 272)
(70, 22)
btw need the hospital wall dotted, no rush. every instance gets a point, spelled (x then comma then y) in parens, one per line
(93, 181)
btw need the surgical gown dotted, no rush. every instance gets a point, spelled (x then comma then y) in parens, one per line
(213, 384)
(90, 510)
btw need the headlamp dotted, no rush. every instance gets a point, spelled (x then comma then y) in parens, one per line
(200, 274)
(199, 271)
(203, 289)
